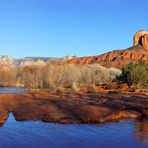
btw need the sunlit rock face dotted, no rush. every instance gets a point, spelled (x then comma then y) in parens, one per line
(119, 58)
(80, 108)
(145, 41)
(141, 38)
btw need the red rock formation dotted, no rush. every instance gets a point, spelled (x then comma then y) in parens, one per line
(145, 41)
(80, 108)
(138, 37)
(119, 58)
(141, 38)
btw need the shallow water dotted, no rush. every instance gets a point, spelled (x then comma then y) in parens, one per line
(37, 134)
(12, 90)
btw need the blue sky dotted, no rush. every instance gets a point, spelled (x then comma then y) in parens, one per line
(56, 28)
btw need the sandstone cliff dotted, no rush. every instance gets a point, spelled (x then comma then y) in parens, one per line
(119, 58)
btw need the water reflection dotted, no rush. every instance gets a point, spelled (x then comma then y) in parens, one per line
(141, 131)
(44, 135)
(13, 90)
(125, 133)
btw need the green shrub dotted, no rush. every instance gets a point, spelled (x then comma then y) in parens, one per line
(134, 73)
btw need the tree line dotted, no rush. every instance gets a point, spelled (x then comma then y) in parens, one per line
(57, 76)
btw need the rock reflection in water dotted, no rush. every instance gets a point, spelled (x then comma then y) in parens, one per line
(141, 131)
(43, 135)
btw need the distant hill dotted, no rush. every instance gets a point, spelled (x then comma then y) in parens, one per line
(35, 60)
(115, 58)
(119, 58)
(7, 61)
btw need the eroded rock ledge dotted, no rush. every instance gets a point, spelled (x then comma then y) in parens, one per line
(120, 58)
(73, 108)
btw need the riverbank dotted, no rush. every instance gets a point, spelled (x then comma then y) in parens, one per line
(74, 107)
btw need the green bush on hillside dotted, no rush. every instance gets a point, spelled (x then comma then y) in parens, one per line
(135, 73)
